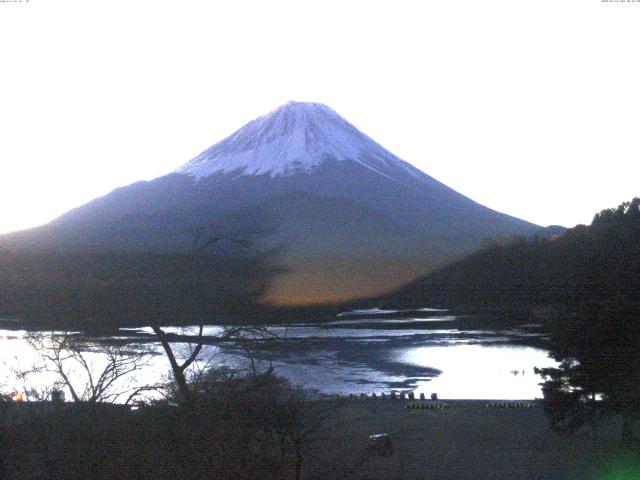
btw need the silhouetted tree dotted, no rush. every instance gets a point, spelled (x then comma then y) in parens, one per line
(599, 351)
(89, 371)
(180, 367)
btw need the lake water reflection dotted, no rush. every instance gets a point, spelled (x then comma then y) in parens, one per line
(479, 371)
(368, 352)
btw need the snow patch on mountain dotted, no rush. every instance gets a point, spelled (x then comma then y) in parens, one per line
(296, 137)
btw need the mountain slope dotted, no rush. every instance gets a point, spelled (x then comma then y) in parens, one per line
(342, 216)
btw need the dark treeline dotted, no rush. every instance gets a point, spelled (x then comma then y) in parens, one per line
(102, 291)
(599, 263)
(106, 290)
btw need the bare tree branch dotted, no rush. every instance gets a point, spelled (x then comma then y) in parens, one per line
(66, 356)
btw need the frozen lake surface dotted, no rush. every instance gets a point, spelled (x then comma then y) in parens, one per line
(363, 351)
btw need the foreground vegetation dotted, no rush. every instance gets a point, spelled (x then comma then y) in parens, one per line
(261, 436)
(598, 377)
(250, 428)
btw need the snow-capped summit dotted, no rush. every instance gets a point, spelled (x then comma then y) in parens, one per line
(296, 137)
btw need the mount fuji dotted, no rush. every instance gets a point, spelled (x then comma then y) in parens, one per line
(341, 217)
(296, 138)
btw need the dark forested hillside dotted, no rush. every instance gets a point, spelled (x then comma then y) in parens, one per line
(587, 264)
(105, 290)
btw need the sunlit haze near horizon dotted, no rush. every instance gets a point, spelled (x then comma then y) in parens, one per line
(530, 108)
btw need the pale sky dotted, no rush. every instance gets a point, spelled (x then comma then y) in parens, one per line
(529, 107)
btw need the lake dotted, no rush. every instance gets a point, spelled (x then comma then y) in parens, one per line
(424, 351)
